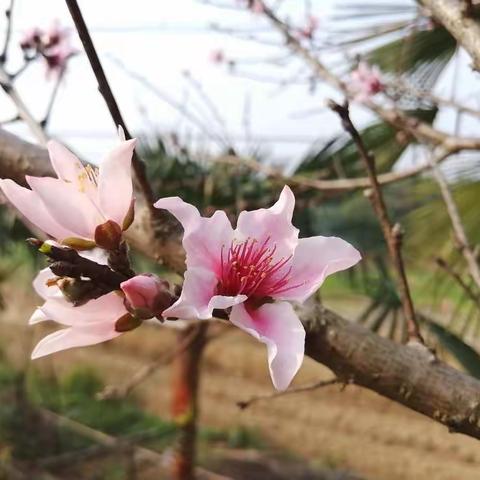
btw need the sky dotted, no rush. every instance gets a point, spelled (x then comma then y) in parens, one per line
(157, 43)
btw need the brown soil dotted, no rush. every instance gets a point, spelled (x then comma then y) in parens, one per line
(351, 429)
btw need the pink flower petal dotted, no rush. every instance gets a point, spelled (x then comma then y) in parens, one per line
(41, 287)
(37, 317)
(108, 308)
(115, 189)
(198, 299)
(185, 213)
(315, 258)
(31, 206)
(278, 326)
(67, 166)
(203, 237)
(82, 336)
(67, 205)
(274, 223)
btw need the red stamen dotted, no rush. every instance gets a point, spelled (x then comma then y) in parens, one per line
(249, 268)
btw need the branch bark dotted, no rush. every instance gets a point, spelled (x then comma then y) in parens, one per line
(402, 373)
(422, 131)
(460, 23)
(19, 158)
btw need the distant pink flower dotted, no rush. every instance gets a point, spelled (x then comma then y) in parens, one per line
(56, 58)
(87, 324)
(217, 56)
(52, 44)
(255, 270)
(366, 81)
(81, 199)
(55, 35)
(146, 295)
(255, 6)
(31, 39)
(310, 28)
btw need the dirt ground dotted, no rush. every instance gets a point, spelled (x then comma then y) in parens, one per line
(351, 429)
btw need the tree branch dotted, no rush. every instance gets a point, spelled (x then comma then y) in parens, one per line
(402, 373)
(422, 131)
(107, 94)
(457, 20)
(460, 235)
(391, 233)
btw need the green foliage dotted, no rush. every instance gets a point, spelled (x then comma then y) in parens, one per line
(340, 156)
(464, 353)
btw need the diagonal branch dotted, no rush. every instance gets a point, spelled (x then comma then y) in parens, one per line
(403, 373)
(422, 131)
(460, 22)
(391, 233)
(107, 94)
(459, 230)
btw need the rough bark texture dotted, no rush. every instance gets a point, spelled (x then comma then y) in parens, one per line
(456, 18)
(409, 375)
(402, 373)
(19, 158)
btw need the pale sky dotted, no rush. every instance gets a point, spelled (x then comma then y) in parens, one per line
(160, 41)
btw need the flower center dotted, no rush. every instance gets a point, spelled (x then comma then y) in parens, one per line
(249, 268)
(87, 179)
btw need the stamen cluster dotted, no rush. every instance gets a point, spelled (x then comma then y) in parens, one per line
(250, 268)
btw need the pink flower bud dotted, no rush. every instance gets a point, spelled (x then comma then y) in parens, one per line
(146, 295)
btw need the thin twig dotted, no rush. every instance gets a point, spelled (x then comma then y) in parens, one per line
(23, 111)
(8, 33)
(458, 229)
(340, 184)
(458, 278)
(106, 92)
(53, 97)
(392, 233)
(177, 105)
(121, 391)
(304, 388)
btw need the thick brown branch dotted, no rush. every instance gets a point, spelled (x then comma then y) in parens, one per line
(19, 158)
(458, 21)
(404, 373)
(401, 373)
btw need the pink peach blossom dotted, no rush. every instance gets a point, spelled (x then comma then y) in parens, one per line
(88, 324)
(217, 56)
(366, 81)
(255, 270)
(146, 295)
(311, 26)
(55, 35)
(80, 199)
(56, 58)
(31, 39)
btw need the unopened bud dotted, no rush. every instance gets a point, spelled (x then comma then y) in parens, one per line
(146, 296)
(108, 235)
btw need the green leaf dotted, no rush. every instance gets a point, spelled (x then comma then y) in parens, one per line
(464, 353)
